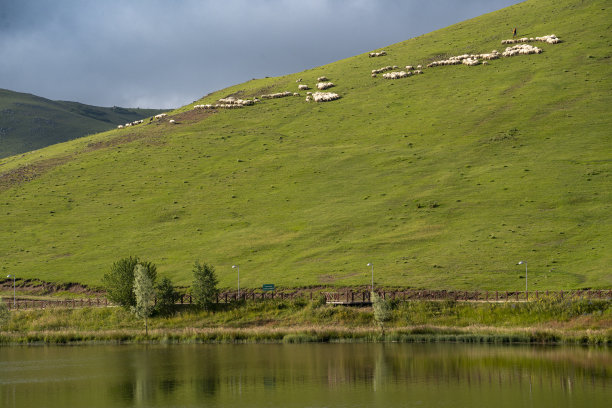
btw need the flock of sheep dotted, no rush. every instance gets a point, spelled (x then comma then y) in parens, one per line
(134, 123)
(550, 39)
(521, 48)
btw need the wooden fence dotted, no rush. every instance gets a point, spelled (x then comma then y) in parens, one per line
(344, 297)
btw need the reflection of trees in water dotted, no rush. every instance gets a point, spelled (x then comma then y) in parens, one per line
(196, 375)
(213, 373)
(478, 365)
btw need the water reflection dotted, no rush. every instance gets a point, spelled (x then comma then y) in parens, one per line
(303, 375)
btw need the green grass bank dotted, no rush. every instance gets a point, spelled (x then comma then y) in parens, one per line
(545, 321)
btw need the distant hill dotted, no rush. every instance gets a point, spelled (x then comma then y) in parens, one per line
(29, 122)
(445, 179)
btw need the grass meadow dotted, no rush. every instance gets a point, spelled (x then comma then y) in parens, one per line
(441, 180)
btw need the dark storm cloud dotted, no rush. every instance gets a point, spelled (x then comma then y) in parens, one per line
(153, 53)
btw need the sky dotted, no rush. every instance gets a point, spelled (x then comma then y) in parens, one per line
(168, 53)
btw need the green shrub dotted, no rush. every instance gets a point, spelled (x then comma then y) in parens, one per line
(5, 314)
(382, 310)
(166, 297)
(119, 282)
(204, 288)
(144, 291)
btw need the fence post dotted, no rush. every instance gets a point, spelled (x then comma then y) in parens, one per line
(527, 295)
(496, 296)
(561, 295)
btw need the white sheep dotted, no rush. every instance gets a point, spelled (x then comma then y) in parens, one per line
(325, 96)
(324, 85)
(322, 79)
(383, 69)
(396, 75)
(377, 54)
(120, 127)
(276, 95)
(172, 121)
(303, 87)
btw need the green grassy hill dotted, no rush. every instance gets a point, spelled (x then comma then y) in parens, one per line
(29, 122)
(442, 180)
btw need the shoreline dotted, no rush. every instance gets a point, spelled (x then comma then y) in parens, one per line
(323, 334)
(547, 321)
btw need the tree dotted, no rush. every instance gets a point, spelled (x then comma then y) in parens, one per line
(204, 288)
(5, 314)
(166, 297)
(119, 282)
(382, 310)
(144, 292)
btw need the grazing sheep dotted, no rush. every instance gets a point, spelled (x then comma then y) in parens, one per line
(277, 95)
(308, 98)
(161, 115)
(373, 75)
(521, 49)
(322, 79)
(298, 80)
(550, 39)
(419, 67)
(234, 101)
(120, 127)
(377, 54)
(324, 85)
(383, 69)
(172, 121)
(396, 75)
(303, 87)
(470, 62)
(325, 96)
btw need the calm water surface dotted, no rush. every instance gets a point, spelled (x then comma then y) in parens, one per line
(305, 375)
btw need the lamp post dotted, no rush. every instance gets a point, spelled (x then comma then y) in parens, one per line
(372, 265)
(14, 302)
(520, 263)
(237, 267)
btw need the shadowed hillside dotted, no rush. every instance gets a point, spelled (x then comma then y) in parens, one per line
(29, 122)
(444, 179)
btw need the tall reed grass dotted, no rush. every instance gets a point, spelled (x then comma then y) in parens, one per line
(298, 321)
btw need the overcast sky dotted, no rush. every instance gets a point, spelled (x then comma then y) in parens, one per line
(162, 53)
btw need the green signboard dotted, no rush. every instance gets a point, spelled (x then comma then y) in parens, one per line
(268, 286)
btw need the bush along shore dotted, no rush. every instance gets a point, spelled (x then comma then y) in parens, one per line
(545, 321)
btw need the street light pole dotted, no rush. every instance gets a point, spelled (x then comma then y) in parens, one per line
(237, 267)
(14, 301)
(372, 265)
(520, 263)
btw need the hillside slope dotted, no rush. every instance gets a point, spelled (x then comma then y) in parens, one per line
(29, 122)
(441, 180)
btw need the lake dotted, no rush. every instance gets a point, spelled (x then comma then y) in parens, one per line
(305, 375)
